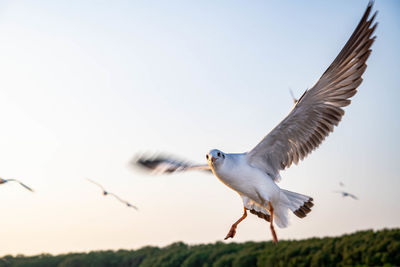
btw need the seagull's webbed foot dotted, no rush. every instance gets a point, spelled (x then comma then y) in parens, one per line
(232, 231)
(271, 226)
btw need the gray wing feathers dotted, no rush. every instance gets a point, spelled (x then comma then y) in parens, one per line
(320, 108)
(353, 196)
(21, 183)
(27, 187)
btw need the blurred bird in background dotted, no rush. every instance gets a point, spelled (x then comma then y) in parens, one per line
(3, 181)
(346, 194)
(105, 193)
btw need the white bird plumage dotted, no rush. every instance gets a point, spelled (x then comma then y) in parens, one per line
(254, 174)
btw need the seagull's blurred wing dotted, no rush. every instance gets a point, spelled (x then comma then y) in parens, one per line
(160, 164)
(123, 201)
(24, 185)
(93, 182)
(132, 206)
(27, 187)
(353, 196)
(320, 108)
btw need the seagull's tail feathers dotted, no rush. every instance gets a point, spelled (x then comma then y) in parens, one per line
(299, 204)
(281, 217)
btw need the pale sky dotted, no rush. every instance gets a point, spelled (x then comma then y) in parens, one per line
(86, 86)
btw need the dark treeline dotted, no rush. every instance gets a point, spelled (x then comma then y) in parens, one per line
(367, 248)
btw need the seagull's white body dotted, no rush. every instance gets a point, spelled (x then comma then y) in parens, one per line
(252, 184)
(256, 187)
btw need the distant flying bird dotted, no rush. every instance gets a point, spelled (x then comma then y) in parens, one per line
(346, 194)
(3, 181)
(112, 194)
(341, 184)
(253, 175)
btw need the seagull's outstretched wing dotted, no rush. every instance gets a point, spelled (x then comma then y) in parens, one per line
(123, 201)
(319, 109)
(346, 194)
(352, 196)
(99, 185)
(340, 192)
(161, 164)
(24, 185)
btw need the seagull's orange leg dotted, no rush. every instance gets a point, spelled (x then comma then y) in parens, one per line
(271, 226)
(232, 231)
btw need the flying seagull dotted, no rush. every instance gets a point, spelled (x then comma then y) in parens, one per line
(346, 194)
(3, 181)
(341, 184)
(253, 175)
(112, 194)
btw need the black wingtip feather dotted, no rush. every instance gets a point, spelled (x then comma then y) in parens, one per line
(303, 210)
(261, 215)
(147, 163)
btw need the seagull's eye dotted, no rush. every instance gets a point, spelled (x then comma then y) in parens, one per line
(219, 154)
(207, 156)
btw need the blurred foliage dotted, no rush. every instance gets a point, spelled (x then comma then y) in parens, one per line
(364, 248)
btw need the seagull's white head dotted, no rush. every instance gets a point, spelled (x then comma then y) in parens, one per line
(215, 157)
